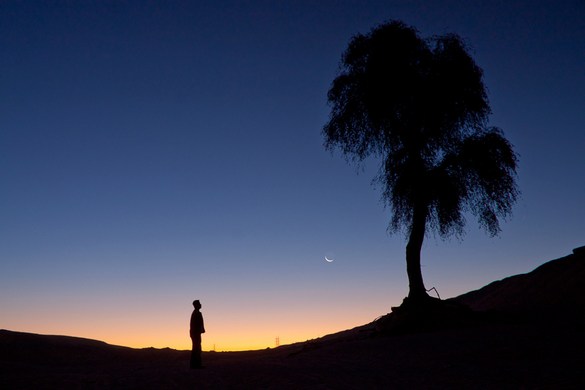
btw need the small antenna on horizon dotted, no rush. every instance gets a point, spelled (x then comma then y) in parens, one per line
(277, 341)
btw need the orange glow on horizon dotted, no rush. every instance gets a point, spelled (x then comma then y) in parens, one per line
(219, 337)
(212, 341)
(248, 322)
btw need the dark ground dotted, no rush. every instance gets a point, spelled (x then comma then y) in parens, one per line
(532, 337)
(496, 356)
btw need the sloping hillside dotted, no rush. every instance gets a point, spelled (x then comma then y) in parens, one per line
(556, 287)
(490, 354)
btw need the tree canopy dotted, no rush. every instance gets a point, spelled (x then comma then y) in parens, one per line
(420, 106)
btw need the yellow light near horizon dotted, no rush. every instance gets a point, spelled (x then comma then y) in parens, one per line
(230, 327)
(223, 334)
(222, 338)
(219, 338)
(241, 342)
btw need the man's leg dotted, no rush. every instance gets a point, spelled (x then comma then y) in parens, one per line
(196, 352)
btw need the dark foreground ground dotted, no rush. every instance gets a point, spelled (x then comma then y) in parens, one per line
(523, 332)
(496, 356)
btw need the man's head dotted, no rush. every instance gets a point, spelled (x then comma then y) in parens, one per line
(197, 304)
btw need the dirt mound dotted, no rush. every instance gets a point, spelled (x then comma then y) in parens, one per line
(553, 289)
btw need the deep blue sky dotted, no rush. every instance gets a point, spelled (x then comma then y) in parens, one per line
(156, 152)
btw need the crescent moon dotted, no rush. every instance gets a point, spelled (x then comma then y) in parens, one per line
(328, 260)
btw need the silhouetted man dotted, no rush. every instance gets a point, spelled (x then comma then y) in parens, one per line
(195, 332)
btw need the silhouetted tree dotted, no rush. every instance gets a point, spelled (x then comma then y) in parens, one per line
(420, 106)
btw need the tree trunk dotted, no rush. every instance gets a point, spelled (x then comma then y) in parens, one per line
(417, 290)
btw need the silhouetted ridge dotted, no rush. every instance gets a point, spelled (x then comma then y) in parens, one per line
(554, 287)
(37, 340)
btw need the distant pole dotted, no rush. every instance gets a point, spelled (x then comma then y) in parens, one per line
(277, 341)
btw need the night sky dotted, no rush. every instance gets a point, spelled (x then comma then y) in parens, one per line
(152, 153)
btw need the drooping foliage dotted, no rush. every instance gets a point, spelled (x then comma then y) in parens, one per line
(421, 108)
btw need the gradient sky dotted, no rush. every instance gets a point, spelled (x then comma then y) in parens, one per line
(152, 153)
